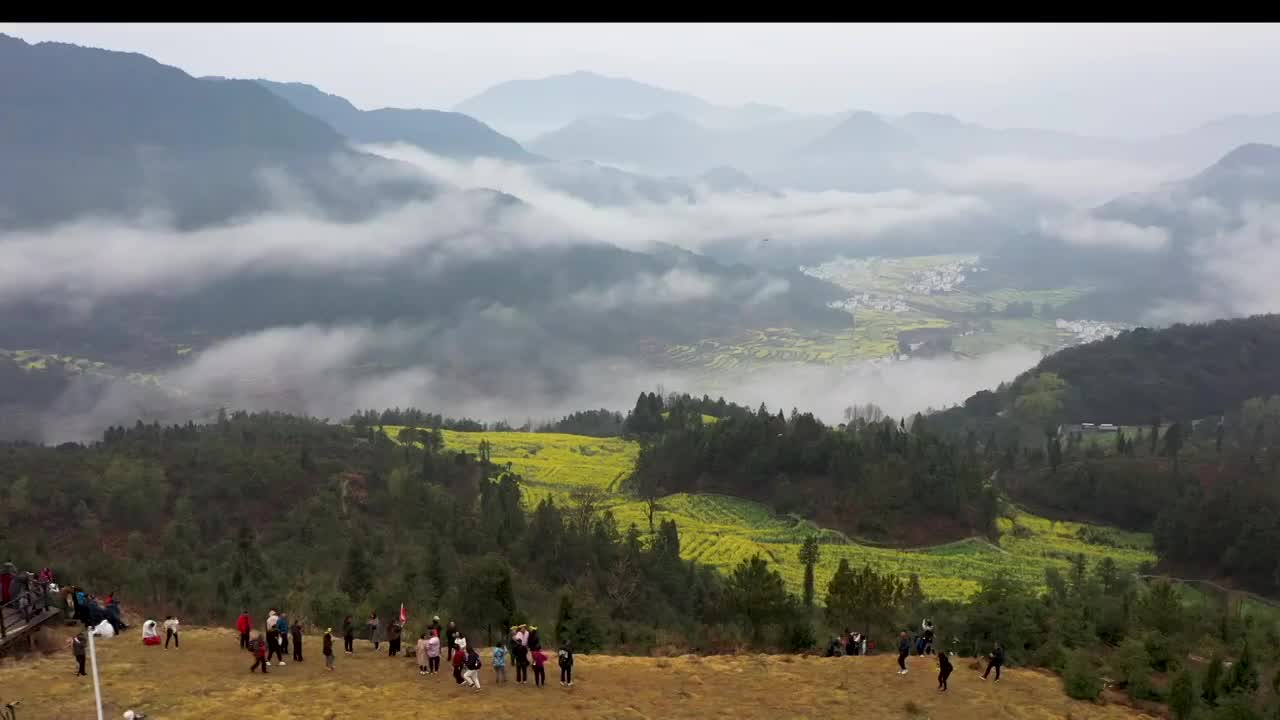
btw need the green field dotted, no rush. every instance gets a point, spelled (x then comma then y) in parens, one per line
(971, 312)
(721, 531)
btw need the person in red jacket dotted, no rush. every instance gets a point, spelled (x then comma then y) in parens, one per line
(243, 626)
(457, 658)
(539, 671)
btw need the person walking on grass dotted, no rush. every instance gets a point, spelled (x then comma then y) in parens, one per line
(565, 656)
(539, 669)
(326, 648)
(456, 660)
(348, 636)
(904, 649)
(420, 649)
(273, 636)
(995, 660)
(297, 642)
(433, 653)
(170, 631)
(77, 651)
(499, 663)
(243, 626)
(471, 676)
(372, 625)
(258, 647)
(944, 670)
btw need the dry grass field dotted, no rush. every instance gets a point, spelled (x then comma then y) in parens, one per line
(208, 679)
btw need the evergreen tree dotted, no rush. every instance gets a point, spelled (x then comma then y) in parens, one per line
(1182, 695)
(809, 553)
(357, 578)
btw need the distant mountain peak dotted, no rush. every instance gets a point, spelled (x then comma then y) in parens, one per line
(1250, 156)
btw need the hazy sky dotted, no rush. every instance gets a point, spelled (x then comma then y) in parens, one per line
(1098, 79)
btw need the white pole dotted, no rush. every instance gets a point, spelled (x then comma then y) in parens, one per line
(93, 658)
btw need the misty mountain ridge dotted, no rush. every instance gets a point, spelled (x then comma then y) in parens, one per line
(98, 132)
(448, 134)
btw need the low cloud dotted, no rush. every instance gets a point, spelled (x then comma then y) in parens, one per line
(1091, 232)
(641, 222)
(1079, 182)
(337, 375)
(1236, 269)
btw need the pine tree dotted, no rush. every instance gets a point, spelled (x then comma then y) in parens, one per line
(356, 576)
(809, 553)
(1182, 695)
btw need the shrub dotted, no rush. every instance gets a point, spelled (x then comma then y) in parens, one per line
(798, 635)
(1182, 695)
(1080, 678)
(1134, 665)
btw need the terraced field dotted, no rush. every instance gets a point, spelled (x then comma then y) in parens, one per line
(721, 531)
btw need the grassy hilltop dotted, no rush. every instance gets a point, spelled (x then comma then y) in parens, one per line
(209, 678)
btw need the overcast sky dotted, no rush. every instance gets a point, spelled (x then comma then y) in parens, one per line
(1099, 79)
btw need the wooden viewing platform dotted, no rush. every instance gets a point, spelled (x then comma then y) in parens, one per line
(16, 625)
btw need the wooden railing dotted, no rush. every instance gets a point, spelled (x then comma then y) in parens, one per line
(31, 602)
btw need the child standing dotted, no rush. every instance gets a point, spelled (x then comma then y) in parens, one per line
(499, 663)
(539, 672)
(77, 650)
(296, 630)
(243, 626)
(944, 670)
(170, 631)
(566, 664)
(420, 649)
(433, 652)
(326, 648)
(348, 636)
(904, 649)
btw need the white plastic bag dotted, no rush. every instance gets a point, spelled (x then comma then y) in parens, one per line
(104, 629)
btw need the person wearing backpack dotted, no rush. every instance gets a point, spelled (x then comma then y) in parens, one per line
(258, 647)
(521, 653)
(499, 663)
(471, 676)
(566, 664)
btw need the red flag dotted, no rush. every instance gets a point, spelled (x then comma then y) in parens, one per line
(403, 615)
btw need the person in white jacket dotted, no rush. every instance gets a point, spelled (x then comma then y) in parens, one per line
(170, 631)
(149, 634)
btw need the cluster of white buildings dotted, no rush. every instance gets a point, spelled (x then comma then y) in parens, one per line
(941, 279)
(882, 303)
(1087, 331)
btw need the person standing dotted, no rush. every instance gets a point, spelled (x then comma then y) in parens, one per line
(297, 642)
(77, 650)
(348, 636)
(420, 651)
(944, 670)
(539, 669)
(393, 639)
(996, 660)
(434, 628)
(521, 653)
(450, 641)
(471, 676)
(282, 624)
(904, 649)
(326, 648)
(170, 631)
(566, 664)
(372, 625)
(273, 635)
(533, 640)
(259, 649)
(499, 663)
(243, 626)
(433, 652)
